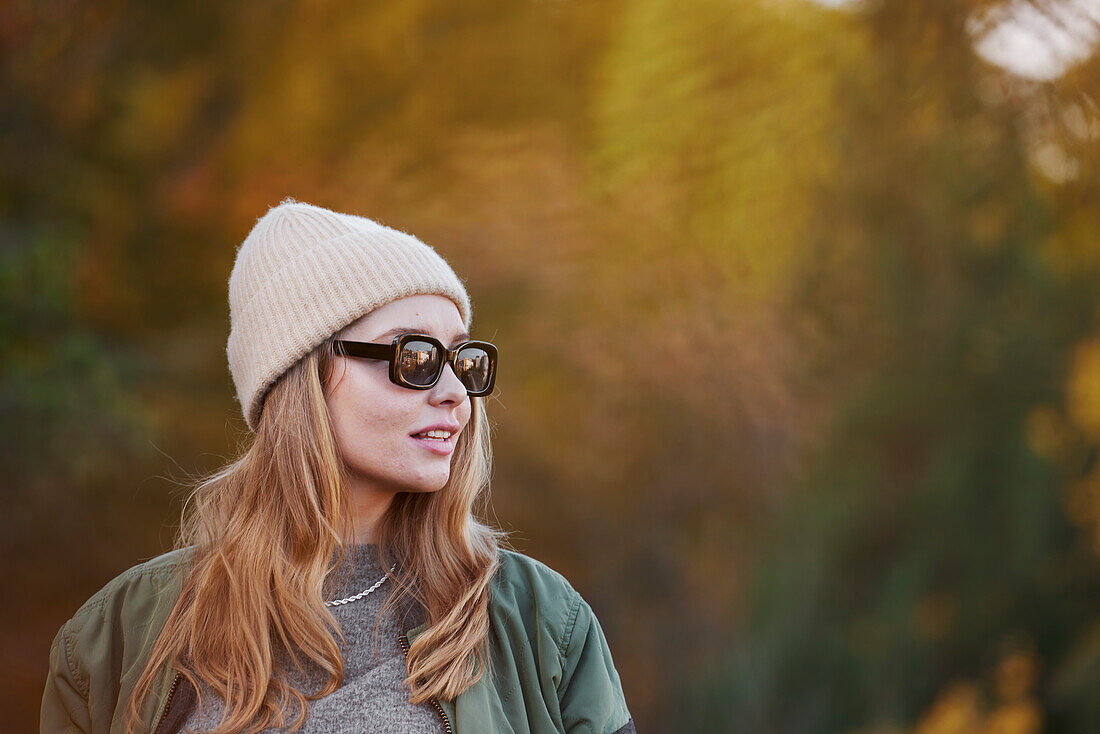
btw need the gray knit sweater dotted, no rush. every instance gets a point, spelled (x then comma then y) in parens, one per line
(373, 697)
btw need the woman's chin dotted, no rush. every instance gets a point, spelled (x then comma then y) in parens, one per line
(427, 485)
(424, 484)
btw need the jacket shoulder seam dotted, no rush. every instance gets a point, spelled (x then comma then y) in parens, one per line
(74, 670)
(570, 625)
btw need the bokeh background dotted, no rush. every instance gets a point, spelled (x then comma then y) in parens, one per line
(797, 306)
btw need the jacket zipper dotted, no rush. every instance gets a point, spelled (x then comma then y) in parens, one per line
(404, 640)
(168, 702)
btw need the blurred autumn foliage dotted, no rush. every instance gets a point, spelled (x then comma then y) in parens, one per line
(797, 309)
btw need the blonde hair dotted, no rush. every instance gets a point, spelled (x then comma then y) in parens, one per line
(269, 527)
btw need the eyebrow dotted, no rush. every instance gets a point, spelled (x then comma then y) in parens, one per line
(457, 338)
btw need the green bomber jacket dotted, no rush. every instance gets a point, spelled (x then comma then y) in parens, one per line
(551, 666)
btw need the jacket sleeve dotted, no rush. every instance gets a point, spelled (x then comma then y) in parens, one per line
(590, 693)
(64, 702)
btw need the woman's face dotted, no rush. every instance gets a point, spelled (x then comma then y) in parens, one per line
(376, 421)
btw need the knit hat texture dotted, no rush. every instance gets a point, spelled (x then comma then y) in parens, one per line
(303, 274)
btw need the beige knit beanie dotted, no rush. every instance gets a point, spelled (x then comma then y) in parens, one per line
(303, 274)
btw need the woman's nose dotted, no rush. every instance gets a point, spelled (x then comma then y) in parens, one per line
(449, 388)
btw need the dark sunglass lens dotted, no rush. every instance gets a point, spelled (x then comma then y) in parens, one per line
(473, 367)
(419, 362)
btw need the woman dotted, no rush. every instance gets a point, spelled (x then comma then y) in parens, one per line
(334, 578)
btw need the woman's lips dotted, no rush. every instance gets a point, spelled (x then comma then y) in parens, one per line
(439, 446)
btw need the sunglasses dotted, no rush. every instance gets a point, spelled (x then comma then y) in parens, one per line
(417, 361)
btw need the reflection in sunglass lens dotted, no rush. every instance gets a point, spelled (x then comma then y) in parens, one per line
(419, 362)
(472, 366)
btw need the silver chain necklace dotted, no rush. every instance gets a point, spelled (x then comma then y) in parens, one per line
(361, 594)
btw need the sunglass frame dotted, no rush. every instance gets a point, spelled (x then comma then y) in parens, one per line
(389, 352)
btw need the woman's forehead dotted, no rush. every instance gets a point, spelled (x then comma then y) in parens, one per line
(425, 314)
